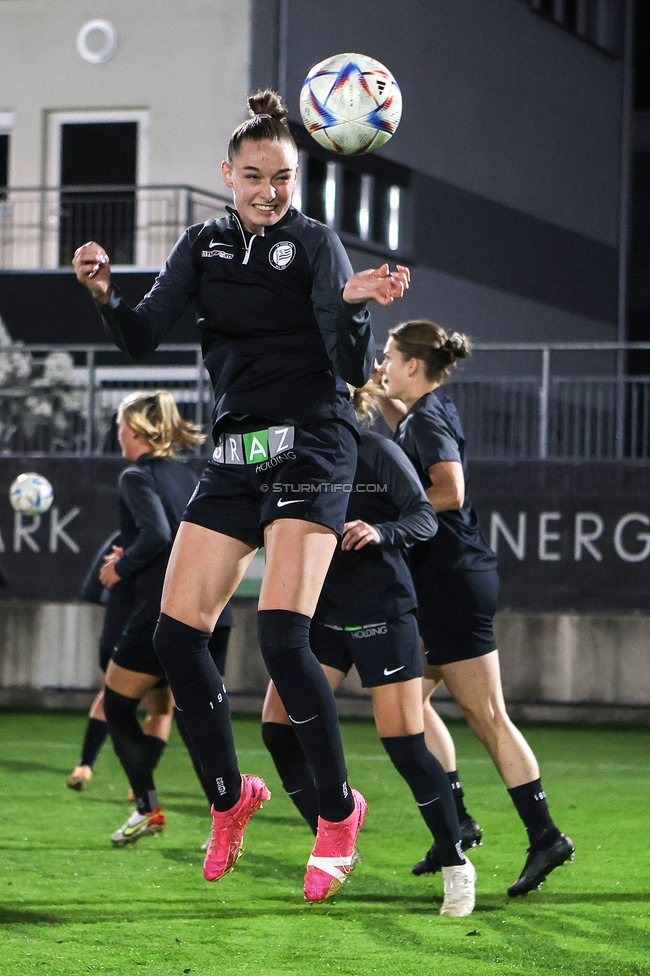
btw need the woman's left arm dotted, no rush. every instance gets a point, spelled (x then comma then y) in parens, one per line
(344, 327)
(340, 296)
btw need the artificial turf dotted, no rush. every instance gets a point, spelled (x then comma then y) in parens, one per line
(71, 904)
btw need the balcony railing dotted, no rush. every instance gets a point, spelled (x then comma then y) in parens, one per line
(138, 225)
(62, 400)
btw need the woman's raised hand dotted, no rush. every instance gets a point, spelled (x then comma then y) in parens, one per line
(380, 284)
(93, 269)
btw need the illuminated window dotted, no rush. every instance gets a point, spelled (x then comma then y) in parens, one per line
(361, 197)
(599, 22)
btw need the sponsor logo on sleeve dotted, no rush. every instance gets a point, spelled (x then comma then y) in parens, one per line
(216, 250)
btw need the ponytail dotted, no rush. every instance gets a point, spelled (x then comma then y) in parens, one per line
(156, 418)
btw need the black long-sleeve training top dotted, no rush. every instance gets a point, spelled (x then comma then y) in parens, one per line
(374, 583)
(278, 340)
(153, 494)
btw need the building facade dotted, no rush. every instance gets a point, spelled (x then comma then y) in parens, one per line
(505, 171)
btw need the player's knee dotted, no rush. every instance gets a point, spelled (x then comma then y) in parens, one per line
(282, 634)
(405, 752)
(480, 715)
(176, 642)
(118, 708)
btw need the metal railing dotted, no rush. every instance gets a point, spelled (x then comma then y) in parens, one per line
(556, 416)
(62, 400)
(138, 225)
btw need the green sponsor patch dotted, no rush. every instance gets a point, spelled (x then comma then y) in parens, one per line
(256, 446)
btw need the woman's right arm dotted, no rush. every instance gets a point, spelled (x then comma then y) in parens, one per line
(138, 331)
(447, 491)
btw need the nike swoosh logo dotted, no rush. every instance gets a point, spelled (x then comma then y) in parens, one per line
(295, 501)
(304, 721)
(394, 670)
(131, 830)
(219, 244)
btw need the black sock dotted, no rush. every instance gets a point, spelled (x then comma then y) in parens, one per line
(530, 803)
(201, 695)
(293, 769)
(458, 793)
(138, 753)
(156, 748)
(194, 756)
(218, 647)
(430, 787)
(96, 732)
(308, 699)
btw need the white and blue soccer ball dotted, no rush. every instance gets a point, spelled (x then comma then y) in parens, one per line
(351, 104)
(31, 494)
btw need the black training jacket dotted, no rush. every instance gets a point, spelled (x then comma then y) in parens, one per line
(278, 340)
(374, 584)
(153, 493)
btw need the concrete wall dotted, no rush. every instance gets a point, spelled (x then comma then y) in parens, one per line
(555, 667)
(186, 64)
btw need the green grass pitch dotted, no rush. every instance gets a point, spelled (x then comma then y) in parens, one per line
(71, 904)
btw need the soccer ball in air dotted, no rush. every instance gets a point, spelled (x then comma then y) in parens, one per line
(350, 103)
(31, 494)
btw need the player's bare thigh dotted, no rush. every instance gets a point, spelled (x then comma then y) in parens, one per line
(298, 555)
(476, 683)
(204, 570)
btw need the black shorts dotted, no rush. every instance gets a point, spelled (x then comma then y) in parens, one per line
(135, 650)
(119, 605)
(259, 474)
(455, 614)
(384, 653)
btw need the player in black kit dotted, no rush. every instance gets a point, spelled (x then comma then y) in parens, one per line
(283, 324)
(366, 617)
(153, 493)
(456, 581)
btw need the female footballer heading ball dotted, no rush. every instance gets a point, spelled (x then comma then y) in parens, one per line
(283, 325)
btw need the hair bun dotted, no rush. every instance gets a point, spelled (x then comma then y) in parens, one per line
(267, 103)
(458, 345)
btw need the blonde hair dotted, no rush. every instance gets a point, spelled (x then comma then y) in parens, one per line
(365, 400)
(425, 340)
(156, 418)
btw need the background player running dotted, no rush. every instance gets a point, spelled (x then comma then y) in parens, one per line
(456, 581)
(153, 493)
(283, 324)
(366, 617)
(118, 604)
